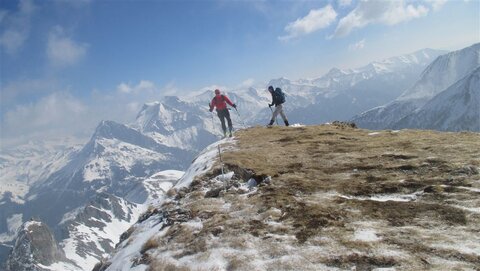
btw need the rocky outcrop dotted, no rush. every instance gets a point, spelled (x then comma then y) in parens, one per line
(35, 248)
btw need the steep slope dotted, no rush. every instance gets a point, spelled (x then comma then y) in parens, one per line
(317, 198)
(455, 109)
(96, 228)
(441, 74)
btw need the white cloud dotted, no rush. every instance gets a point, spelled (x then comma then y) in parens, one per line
(213, 87)
(315, 20)
(436, 4)
(24, 88)
(247, 83)
(58, 112)
(142, 86)
(17, 26)
(379, 12)
(344, 3)
(357, 46)
(62, 114)
(62, 50)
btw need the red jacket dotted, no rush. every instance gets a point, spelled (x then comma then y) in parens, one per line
(220, 101)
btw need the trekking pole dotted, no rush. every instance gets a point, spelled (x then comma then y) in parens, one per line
(213, 123)
(276, 120)
(220, 156)
(240, 118)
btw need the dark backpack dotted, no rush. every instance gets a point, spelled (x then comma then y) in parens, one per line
(280, 96)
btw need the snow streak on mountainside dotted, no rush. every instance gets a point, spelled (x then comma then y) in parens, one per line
(455, 109)
(438, 76)
(95, 230)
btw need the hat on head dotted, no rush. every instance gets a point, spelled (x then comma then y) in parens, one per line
(270, 88)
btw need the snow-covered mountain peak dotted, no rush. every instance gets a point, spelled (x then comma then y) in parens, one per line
(443, 72)
(160, 116)
(279, 82)
(336, 72)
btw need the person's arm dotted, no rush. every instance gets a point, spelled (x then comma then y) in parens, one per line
(273, 100)
(230, 102)
(212, 104)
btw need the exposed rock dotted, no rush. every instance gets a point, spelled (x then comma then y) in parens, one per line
(34, 245)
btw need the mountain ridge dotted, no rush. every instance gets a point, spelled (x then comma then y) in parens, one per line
(354, 198)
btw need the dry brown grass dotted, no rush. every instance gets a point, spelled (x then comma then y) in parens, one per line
(150, 244)
(309, 160)
(322, 178)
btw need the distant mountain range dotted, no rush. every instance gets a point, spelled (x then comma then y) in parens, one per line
(444, 98)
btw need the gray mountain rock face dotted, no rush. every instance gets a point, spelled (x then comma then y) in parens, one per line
(35, 245)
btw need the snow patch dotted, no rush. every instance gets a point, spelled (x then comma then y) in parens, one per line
(58, 266)
(387, 197)
(366, 235)
(202, 164)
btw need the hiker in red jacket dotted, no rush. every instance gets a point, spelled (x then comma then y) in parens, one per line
(220, 102)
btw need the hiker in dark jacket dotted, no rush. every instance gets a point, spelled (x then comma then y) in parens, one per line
(278, 102)
(220, 102)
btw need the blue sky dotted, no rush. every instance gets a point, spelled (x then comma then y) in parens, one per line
(88, 58)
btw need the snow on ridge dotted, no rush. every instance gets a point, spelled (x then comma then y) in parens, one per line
(202, 164)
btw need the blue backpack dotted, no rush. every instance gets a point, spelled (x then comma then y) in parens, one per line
(280, 96)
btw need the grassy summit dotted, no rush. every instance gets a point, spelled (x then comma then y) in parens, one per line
(330, 197)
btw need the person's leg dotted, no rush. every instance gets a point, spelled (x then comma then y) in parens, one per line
(221, 116)
(229, 120)
(284, 117)
(272, 120)
(277, 111)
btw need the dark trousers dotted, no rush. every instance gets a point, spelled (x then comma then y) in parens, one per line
(222, 115)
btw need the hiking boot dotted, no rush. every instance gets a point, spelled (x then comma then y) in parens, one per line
(271, 123)
(286, 123)
(231, 134)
